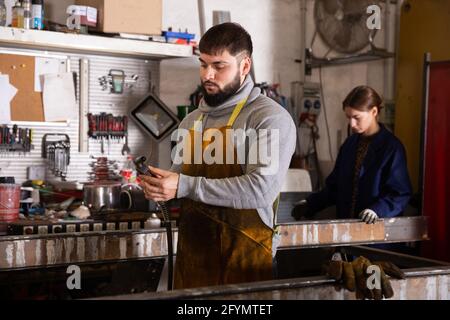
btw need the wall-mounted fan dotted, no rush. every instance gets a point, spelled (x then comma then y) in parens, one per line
(342, 24)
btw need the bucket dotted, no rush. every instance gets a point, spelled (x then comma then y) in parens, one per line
(9, 202)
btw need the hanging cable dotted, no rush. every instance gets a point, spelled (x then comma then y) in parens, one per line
(325, 114)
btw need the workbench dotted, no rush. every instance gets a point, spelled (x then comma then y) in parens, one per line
(44, 254)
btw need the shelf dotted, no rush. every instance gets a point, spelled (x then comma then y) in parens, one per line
(374, 54)
(80, 43)
(40, 123)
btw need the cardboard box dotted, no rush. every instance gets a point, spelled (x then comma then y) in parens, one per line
(88, 15)
(130, 16)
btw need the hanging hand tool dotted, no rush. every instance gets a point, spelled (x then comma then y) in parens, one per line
(106, 126)
(126, 148)
(13, 140)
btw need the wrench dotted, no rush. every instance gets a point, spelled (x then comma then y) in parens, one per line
(126, 148)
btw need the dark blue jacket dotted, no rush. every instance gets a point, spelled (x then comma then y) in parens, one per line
(384, 184)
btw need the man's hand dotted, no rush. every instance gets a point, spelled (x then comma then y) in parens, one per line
(368, 216)
(162, 187)
(300, 210)
(355, 277)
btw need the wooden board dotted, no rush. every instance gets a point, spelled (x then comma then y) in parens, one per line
(27, 104)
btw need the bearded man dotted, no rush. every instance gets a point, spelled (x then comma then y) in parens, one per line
(226, 232)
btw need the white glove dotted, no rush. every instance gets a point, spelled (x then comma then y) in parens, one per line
(302, 202)
(368, 216)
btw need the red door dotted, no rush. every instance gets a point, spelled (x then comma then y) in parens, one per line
(436, 174)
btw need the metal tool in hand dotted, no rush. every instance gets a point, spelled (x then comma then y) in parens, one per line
(143, 169)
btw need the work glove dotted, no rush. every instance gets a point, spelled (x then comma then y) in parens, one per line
(368, 216)
(299, 212)
(354, 277)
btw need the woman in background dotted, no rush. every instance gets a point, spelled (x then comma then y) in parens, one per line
(370, 179)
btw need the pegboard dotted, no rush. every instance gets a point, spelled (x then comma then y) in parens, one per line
(99, 101)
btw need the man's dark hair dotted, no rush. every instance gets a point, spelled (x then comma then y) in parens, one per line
(226, 36)
(363, 98)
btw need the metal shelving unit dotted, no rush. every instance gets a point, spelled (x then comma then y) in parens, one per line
(371, 55)
(80, 43)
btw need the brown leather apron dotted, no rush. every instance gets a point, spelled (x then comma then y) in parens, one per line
(219, 245)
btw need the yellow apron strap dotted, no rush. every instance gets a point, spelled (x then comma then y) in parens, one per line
(236, 112)
(200, 119)
(233, 116)
(275, 206)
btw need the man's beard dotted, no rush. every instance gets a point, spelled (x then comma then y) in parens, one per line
(214, 100)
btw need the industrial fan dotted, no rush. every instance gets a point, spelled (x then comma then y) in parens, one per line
(342, 24)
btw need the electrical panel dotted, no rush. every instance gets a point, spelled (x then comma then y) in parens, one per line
(311, 103)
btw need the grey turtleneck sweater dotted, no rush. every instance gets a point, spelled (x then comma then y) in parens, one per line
(254, 189)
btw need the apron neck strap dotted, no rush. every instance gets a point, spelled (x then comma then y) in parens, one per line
(236, 112)
(237, 109)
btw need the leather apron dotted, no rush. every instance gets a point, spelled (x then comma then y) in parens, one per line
(219, 245)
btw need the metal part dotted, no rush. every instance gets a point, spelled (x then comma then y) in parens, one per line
(83, 145)
(35, 250)
(126, 147)
(201, 16)
(303, 12)
(54, 249)
(221, 17)
(420, 284)
(424, 128)
(57, 153)
(374, 54)
(102, 196)
(324, 233)
(399, 259)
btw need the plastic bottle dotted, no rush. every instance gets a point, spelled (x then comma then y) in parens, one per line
(26, 5)
(37, 14)
(17, 15)
(14, 17)
(2, 13)
(128, 171)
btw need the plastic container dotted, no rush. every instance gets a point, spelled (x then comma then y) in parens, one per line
(37, 14)
(128, 171)
(9, 202)
(17, 15)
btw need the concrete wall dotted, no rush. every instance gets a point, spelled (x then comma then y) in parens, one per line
(275, 28)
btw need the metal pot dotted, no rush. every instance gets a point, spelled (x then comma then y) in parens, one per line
(102, 196)
(133, 198)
